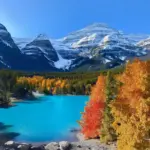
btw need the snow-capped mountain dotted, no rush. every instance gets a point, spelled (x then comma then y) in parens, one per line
(145, 43)
(11, 56)
(9, 52)
(95, 47)
(40, 47)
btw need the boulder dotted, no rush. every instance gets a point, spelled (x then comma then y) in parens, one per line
(64, 145)
(9, 143)
(52, 146)
(37, 148)
(24, 147)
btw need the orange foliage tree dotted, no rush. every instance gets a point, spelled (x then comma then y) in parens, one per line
(93, 113)
(131, 109)
(55, 85)
(42, 84)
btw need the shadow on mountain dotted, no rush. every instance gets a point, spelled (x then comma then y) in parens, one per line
(6, 136)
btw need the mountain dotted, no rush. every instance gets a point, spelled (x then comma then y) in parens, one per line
(11, 56)
(94, 47)
(99, 47)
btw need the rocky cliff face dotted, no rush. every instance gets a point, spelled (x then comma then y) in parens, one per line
(41, 46)
(95, 47)
(10, 55)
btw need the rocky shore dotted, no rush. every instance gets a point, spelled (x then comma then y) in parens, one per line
(63, 145)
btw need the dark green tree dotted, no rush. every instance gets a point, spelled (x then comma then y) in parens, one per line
(107, 132)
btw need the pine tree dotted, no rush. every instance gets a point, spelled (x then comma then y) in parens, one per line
(107, 133)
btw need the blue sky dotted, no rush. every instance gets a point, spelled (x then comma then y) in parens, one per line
(57, 18)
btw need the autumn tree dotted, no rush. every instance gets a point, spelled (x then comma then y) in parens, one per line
(131, 109)
(93, 113)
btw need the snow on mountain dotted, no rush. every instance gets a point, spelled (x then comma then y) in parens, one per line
(3, 29)
(5, 37)
(62, 63)
(41, 46)
(59, 45)
(22, 42)
(42, 37)
(86, 41)
(113, 40)
(145, 43)
(2, 61)
(89, 36)
(95, 45)
(135, 38)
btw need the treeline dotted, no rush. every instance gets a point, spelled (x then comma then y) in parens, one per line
(20, 84)
(76, 83)
(119, 108)
(56, 86)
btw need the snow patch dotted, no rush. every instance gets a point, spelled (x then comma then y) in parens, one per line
(2, 61)
(37, 48)
(107, 61)
(22, 42)
(123, 58)
(6, 43)
(144, 52)
(85, 40)
(62, 63)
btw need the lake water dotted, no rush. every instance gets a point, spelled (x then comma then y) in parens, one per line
(50, 118)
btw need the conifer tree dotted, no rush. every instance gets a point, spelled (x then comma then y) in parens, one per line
(107, 133)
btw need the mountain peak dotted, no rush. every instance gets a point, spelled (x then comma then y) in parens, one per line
(42, 37)
(2, 27)
(98, 25)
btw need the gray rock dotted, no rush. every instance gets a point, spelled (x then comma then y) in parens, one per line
(9, 143)
(24, 147)
(98, 148)
(64, 145)
(37, 148)
(2, 148)
(52, 146)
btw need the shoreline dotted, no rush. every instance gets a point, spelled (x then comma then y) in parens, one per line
(62, 145)
(92, 144)
(81, 144)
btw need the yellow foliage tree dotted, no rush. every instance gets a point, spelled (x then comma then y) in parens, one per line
(131, 109)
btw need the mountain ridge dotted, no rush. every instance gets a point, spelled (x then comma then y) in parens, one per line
(94, 47)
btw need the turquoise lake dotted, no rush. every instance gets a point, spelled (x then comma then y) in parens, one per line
(50, 118)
